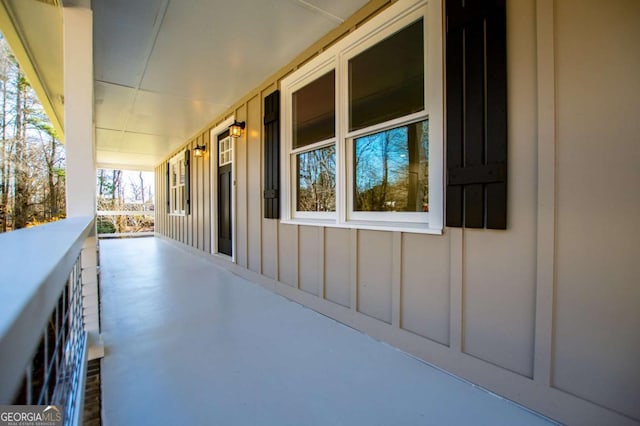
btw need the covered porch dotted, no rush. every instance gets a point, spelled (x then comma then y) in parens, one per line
(188, 342)
(542, 308)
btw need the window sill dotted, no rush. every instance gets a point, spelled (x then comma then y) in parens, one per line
(415, 228)
(177, 214)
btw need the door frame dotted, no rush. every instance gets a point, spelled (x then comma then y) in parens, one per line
(213, 195)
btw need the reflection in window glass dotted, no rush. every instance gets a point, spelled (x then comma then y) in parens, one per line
(316, 174)
(386, 81)
(314, 111)
(182, 172)
(391, 170)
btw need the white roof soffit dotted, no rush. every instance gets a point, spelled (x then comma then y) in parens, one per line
(166, 68)
(33, 29)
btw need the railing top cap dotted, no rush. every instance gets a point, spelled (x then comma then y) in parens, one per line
(30, 259)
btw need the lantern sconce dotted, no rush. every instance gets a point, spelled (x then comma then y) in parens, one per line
(235, 130)
(199, 150)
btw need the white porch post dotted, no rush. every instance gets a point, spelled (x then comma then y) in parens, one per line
(80, 152)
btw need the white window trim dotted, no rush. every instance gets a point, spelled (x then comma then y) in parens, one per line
(393, 19)
(175, 160)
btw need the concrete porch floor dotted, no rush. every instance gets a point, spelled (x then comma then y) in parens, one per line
(189, 343)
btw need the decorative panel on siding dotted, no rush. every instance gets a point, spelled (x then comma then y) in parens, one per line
(270, 248)
(288, 253)
(206, 229)
(499, 298)
(310, 259)
(240, 192)
(597, 307)
(254, 183)
(199, 198)
(425, 287)
(337, 266)
(374, 274)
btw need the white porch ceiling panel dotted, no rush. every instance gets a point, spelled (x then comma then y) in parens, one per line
(165, 68)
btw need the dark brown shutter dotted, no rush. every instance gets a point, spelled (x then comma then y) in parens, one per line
(168, 191)
(272, 156)
(187, 181)
(476, 90)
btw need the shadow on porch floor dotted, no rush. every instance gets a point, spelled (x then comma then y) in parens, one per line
(189, 343)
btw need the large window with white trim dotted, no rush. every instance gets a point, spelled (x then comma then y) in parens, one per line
(362, 127)
(177, 187)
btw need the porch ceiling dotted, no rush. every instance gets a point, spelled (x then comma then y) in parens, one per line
(165, 68)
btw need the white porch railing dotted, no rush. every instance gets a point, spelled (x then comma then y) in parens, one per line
(133, 215)
(43, 345)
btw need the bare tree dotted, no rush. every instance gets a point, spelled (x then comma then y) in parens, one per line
(31, 161)
(21, 194)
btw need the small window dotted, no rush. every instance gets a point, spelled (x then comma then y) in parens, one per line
(386, 81)
(312, 153)
(225, 152)
(316, 180)
(391, 170)
(178, 170)
(314, 114)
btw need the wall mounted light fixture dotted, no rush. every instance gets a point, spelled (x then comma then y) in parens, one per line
(235, 130)
(199, 150)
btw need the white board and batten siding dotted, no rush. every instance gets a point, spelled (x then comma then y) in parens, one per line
(546, 313)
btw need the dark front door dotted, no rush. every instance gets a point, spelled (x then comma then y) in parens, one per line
(225, 182)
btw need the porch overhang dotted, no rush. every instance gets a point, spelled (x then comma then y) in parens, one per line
(33, 30)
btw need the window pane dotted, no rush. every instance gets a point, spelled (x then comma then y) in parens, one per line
(316, 180)
(386, 81)
(314, 116)
(391, 170)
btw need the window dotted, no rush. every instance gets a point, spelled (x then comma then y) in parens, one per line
(362, 127)
(314, 113)
(391, 170)
(177, 180)
(225, 151)
(316, 180)
(312, 144)
(386, 81)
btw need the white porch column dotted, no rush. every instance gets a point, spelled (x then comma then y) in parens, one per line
(80, 151)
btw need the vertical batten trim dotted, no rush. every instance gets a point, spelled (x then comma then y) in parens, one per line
(456, 314)
(297, 259)
(201, 196)
(353, 270)
(396, 279)
(245, 195)
(260, 180)
(277, 251)
(321, 262)
(546, 214)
